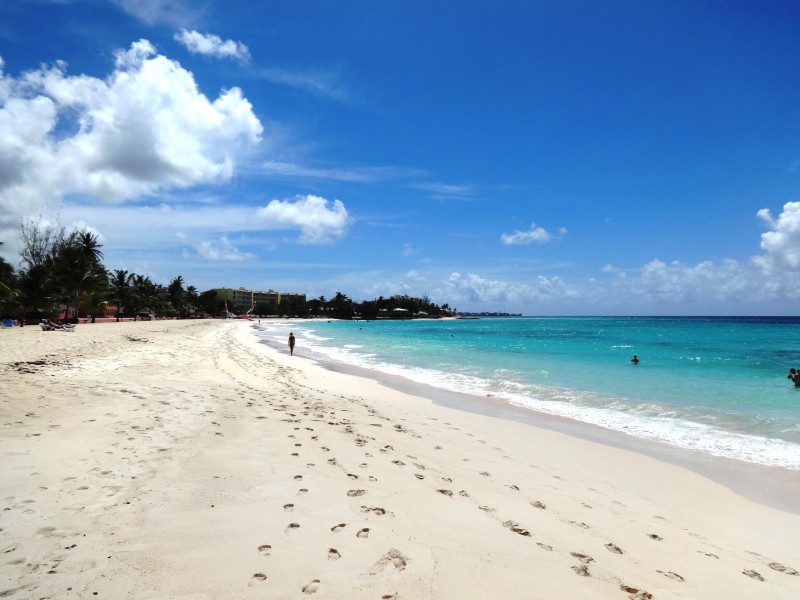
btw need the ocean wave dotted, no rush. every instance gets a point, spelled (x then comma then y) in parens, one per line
(689, 428)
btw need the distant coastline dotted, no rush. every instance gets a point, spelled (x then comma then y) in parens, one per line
(487, 314)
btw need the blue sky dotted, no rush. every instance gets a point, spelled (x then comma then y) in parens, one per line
(537, 157)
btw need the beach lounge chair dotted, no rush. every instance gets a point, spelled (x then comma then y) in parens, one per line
(8, 323)
(47, 325)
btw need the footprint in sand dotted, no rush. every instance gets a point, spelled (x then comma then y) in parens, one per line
(288, 507)
(333, 554)
(302, 491)
(398, 560)
(671, 575)
(298, 477)
(338, 527)
(264, 549)
(581, 570)
(419, 475)
(389, 597)
(655, 536)
(292, 526)
(446, 492)
(547, 547)
(613, 548)
(352, 476)
(635, 593)
(776, 566)
(377, 510)
(363, 533)
(753, 574)
(539, 505)
(353, 493)
(584, 558)
(312, 587)
(257, 578)
(516, 528)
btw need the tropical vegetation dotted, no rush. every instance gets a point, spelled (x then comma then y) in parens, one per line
(62, 275)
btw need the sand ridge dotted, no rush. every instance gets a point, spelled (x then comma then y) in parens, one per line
(185, 459)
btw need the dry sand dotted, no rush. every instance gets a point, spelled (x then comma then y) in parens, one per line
(186, 460)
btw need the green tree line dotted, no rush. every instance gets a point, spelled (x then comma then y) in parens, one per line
(63, 273)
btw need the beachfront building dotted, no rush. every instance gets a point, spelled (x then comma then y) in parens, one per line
(242, 300)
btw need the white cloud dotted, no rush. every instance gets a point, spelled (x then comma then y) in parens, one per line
(445, 190)
(146, 128)
(221, 250)
(362, 175)
(321, 84)
(172, 12)
(212, 45)
(473, 288)
(319, 220)
(415, 277)
(535, 234)
(410, 250)
(782, 244)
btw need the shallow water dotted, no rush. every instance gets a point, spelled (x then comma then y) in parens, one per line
(717, 385)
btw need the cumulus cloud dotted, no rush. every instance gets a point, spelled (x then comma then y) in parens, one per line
(534, 235)
(221, 250)
(212, 45)
(145, 128)
(473, 288)
(782, 243)
(319, 220)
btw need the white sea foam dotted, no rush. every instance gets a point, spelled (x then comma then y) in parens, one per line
(651, 421)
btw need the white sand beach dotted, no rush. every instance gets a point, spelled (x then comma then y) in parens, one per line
(187, 460)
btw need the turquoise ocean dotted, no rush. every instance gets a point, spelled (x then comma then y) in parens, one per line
(716, 385)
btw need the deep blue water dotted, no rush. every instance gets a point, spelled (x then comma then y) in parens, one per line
(716, 384)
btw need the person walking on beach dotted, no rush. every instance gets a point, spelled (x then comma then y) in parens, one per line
(794, 375)
(635, 360)
(291, 344)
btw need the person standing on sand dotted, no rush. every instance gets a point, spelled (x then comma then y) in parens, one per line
(291, 344)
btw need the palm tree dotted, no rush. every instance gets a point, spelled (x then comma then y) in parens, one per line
(176, 294)
(8, 288)
(191, 300)
(90, 245)
(94, 302)
(119, 288)
(35, 291)
(342, 306)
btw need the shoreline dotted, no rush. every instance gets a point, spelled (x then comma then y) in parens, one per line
(189, 460)
(775, 487)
